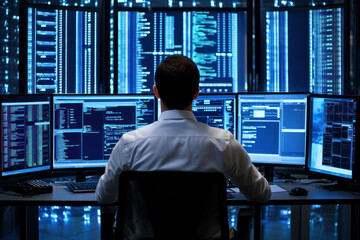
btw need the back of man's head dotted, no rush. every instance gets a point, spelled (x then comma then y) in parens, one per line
(177, 81)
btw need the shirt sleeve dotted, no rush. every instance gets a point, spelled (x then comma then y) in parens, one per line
(108, 185)
(240, 170)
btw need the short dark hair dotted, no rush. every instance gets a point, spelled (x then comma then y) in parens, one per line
(177, 80)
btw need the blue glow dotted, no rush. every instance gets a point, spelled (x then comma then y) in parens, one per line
(285, 212)
(86, 218)
(65, 216)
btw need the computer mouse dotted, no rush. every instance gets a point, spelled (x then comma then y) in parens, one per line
(298, 191)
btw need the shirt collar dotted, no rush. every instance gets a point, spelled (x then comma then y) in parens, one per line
(177, 114)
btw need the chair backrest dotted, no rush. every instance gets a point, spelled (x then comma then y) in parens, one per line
(172, 205)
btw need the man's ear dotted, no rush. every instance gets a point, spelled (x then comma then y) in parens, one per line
(156, 92)
(196, 94)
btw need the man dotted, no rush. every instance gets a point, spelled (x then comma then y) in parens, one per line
(178, 142)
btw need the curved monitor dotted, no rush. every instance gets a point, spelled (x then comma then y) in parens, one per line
(25, 134)
(87, 127)
(333, 127)
(272, 127)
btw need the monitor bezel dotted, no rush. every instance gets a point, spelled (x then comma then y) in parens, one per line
(45, 172)
(355, 171)
(86, 170)
(272, 164)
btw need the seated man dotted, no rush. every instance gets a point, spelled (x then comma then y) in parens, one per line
(178, 142)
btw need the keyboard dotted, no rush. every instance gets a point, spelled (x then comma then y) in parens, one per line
(30, 187)
(79, 187)
(39, 186)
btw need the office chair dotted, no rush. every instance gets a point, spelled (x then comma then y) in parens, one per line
(172, 205)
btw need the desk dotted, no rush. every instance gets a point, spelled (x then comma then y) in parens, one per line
(316, 195)
(60, 196)
(63, 197)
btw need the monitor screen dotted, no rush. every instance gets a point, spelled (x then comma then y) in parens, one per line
(295, 37)
(87, 127)
(272, 127)
(217, 110)
(61, 51)
(215, 40)
(25, 134)
(332, 131)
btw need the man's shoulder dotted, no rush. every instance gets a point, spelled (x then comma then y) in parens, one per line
(140, 133)
(220, 133)
(158, 129)
(128, 139)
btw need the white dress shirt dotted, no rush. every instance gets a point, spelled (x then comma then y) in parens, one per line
(179, 142)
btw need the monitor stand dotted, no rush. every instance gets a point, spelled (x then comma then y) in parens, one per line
(339, 186)
(269, 173)
(85, 176)
(80, 177)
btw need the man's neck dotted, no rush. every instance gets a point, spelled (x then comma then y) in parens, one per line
(165, 108)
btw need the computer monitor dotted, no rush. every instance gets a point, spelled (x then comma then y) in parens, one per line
(272, 127)
(333, 135)
(87, 127)
(62, 50)
(215, 39)
(25, 135)
(215, 110)
(294, 36)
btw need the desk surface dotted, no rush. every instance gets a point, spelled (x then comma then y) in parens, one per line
(62, 196)
(316, 195)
